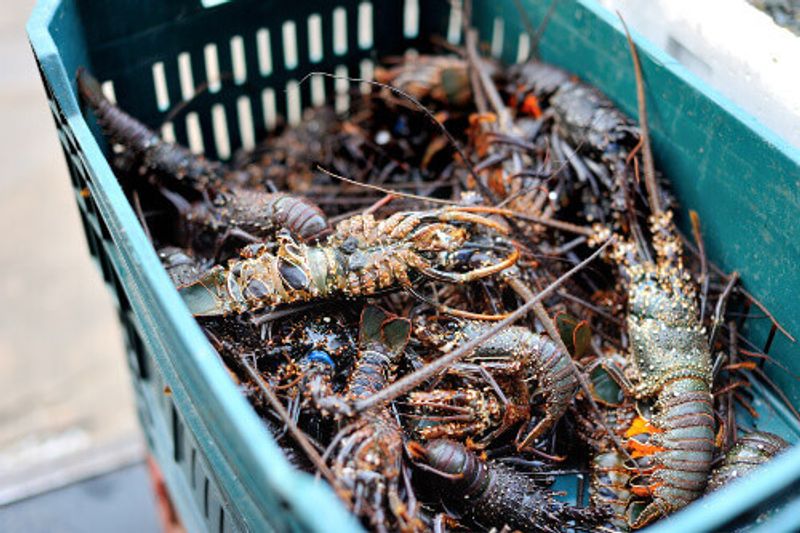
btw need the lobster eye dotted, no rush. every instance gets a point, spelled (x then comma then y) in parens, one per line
(292, 275)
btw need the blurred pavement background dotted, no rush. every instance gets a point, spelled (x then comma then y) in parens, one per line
(66, 408)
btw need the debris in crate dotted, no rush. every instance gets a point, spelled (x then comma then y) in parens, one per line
(360, 273)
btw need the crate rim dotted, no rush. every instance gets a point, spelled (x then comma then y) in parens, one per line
(205, 368)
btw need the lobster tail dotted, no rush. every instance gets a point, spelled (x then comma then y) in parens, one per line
(382, 338)
(683, 448)
(493, 495)
(370, 456)
(301, 216)
(260, 213)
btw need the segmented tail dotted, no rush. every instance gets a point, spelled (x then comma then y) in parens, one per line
(683, 447)
(382, 337)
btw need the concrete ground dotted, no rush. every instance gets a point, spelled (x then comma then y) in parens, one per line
(121, 501)
(66, 408)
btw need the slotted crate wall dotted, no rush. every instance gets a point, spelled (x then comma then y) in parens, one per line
(240, 64)
(249, 75)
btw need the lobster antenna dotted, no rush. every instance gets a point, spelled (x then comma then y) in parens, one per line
(406, 383)
(647, 151)
(399, 194)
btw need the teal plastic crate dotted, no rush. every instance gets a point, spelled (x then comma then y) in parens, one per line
(222, 467)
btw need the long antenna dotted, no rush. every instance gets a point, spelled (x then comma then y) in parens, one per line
(405, 384)
(647, 152)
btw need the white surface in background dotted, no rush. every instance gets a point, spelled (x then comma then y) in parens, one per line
(734, 47)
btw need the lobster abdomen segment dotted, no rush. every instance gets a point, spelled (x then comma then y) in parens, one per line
(684, 444)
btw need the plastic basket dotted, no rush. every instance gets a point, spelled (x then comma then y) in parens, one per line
(222, 467)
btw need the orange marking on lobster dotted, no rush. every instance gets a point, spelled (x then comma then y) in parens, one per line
(640, 449)
(645, 491)
(640, 426)
(531, 107)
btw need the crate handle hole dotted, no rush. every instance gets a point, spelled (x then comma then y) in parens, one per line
(213, 3)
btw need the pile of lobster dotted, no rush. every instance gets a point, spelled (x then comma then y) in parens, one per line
(458, 293)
